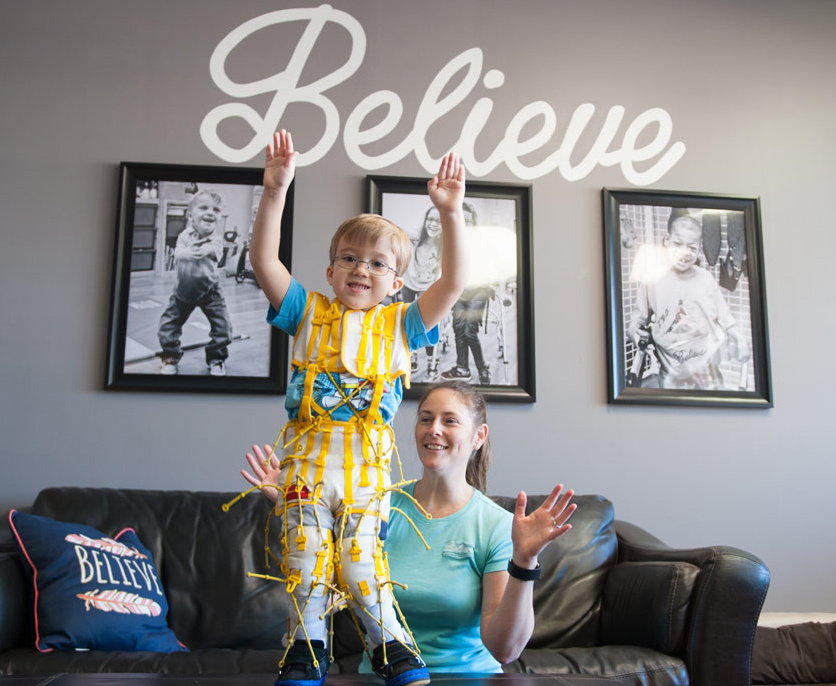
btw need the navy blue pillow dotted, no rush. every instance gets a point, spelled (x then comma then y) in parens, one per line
(92, 592)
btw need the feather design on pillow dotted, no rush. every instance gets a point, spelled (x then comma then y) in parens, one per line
(121, 602)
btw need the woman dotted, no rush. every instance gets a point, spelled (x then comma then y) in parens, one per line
(468, 607)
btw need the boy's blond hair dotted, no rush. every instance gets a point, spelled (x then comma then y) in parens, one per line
(217, 198)
(363, 229)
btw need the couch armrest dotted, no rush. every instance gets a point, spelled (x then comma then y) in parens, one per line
(726, 602)
(13, 599)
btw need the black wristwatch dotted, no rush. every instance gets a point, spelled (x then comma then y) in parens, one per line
(524, 574)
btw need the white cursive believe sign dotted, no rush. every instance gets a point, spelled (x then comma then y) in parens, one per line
(653, 126)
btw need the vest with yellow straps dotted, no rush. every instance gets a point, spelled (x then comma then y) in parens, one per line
(369, 345)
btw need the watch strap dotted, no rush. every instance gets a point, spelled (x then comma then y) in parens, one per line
(524, 574)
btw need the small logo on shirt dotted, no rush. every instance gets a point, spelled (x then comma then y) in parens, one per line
(459, 550)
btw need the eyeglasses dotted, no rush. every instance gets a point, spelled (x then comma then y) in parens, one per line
(375, 267)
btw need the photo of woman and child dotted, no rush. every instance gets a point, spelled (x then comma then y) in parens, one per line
(478, 340)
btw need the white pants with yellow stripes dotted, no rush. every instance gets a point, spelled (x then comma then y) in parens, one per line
(334, 502)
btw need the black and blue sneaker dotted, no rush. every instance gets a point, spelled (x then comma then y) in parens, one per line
(298, 668)
(402, 666)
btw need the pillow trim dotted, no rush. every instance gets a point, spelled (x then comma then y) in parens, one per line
(34, 583)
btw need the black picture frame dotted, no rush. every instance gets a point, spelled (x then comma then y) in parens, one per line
(696, 352)
(153, 210)
(501, 263)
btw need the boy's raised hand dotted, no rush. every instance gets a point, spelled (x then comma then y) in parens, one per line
(446, 189)
(280, 165)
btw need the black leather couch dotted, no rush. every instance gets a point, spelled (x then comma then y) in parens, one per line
(613, 600)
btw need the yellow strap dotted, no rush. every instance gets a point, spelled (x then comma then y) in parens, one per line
(377, 332)
(325, 430)
(364, 343)
(364, 468)
(373, 413)
(330, 339)
(390, 320)
(320, 308)
(306, 463)
(305, 415)
(348, 464)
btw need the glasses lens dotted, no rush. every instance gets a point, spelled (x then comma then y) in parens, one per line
(376, 267)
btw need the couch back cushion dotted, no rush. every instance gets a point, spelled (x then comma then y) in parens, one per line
(202, 556)
(568, 596)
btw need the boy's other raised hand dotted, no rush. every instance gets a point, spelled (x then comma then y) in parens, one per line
(280, 164)
(446, 189)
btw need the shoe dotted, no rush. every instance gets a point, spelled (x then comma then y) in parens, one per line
(456, 373)
(484, 376)
(403, 666)
(298, 668)
(169, 368)
(216, 368)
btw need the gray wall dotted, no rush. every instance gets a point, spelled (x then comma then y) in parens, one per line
(748, 86)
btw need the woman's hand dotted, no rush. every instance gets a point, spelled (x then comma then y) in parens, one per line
(265, 471)
(530, 534)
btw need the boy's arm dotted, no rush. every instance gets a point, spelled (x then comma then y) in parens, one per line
(183, 248)
(637, 330)
(279, 170)
(446, 190)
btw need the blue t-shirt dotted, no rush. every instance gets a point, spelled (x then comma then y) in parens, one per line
(325, 393)
(443, 599)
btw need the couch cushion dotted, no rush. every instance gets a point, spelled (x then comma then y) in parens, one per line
(623, 664)
(202, 555)
(90, 591)
(214, 661)
(636, 591)
(577, 562)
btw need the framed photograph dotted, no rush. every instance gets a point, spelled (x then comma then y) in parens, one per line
(488, 338)
(686, 300)
(186, 311)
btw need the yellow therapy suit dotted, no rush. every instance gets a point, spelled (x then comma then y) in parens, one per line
(335, 479)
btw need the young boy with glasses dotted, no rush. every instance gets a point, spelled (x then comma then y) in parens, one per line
(350, 362)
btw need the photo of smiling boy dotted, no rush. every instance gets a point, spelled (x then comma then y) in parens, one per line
(681, 311)
(197, 253)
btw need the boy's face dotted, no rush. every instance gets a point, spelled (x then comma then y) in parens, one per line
(357, 288)
(205, 214)
(684, 243)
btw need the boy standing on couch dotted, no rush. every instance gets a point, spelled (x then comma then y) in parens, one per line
(351, 361)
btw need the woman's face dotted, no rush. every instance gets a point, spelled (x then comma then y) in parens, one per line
(445, 434)
(432, 223)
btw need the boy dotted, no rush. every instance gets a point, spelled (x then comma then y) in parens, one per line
(683, 313)
(196, 255)
(351, 359)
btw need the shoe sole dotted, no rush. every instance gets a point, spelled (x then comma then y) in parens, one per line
(300, 682)
(414, 677)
